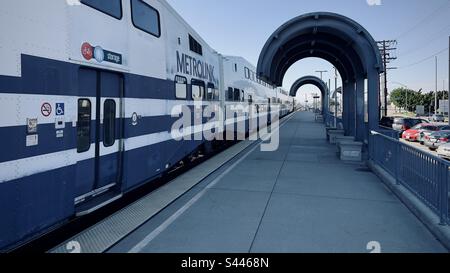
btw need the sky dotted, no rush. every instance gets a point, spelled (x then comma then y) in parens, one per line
(241, 28)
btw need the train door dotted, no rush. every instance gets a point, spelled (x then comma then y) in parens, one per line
(99, 133)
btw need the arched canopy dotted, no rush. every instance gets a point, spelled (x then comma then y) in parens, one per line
(309, 80)
(316, 82)
(338, 40)
(333, 37)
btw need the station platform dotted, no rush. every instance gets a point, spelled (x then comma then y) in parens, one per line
(299, 198)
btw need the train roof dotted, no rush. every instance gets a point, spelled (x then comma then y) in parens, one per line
(186, 24)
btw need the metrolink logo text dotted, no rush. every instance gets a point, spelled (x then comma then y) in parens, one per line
(196, 68)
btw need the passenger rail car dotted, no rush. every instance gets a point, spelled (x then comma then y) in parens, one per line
(87, 92)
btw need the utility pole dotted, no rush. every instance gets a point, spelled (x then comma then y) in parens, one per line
(321, 72)
(387, 47)
(436, 94)
(328, 95)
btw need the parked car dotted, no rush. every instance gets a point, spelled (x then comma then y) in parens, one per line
(402, 124)
(426, 133)
(438, 118)
(437, 139)
(444, 151)
(387, 122)
(416, 133)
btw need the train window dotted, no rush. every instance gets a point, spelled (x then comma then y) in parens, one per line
(210, 92)
(250, 99)
(84, 126)
(216, 94)
(198, 90)
(195, 46)
(109, 123)
(230, 94)
(242, 96)
(145, 17)
(180, 87)
(237, 94)
(112, 8)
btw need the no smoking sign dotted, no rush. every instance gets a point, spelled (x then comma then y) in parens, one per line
(46, 109)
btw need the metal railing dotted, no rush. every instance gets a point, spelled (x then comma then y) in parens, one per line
(425, 175)
(329, 121)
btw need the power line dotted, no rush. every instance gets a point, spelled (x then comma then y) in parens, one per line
(438, 35)
(426, 19)
(423, 60)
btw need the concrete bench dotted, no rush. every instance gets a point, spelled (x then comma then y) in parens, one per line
(332, 134)
(340, 139)
(319, 118)
(328, 129)
(350, 151)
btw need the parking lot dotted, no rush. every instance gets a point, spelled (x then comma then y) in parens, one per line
(419, 146)
(411, 123)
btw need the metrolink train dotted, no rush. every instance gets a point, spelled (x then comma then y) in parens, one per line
(87, 92)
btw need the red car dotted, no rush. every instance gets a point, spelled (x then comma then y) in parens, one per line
(414, 134)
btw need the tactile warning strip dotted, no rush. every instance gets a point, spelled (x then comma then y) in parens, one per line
(109, 231)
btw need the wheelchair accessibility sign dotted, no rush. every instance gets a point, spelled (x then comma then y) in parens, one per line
(59, 109)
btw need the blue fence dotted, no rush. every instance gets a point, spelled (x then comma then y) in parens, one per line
(329, 121)
(425, 175)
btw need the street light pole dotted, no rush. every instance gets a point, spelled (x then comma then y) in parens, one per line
(335, 98)
(321, 73)
(406, 90)
(436, 94)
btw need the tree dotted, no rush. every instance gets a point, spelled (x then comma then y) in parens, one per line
(398, 97)
(402, 96)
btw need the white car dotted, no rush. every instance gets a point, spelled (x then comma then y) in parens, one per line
(438, 118)
(444, 151)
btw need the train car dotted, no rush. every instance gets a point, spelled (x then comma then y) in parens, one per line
(89, 92)
(244, 89)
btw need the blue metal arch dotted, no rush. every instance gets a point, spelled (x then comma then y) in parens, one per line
(339, 40)
(324, 26)
(325, 48)
(316, 82)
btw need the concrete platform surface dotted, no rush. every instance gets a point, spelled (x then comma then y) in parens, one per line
(300, 198)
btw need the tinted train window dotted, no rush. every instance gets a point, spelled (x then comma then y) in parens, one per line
(195, 46)
(230, 94)
(180, 87)
(84, 126)
(111, 7)
(198, 90)
(210, 92)
(109, 123)
(237, 94)
(145, 17)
